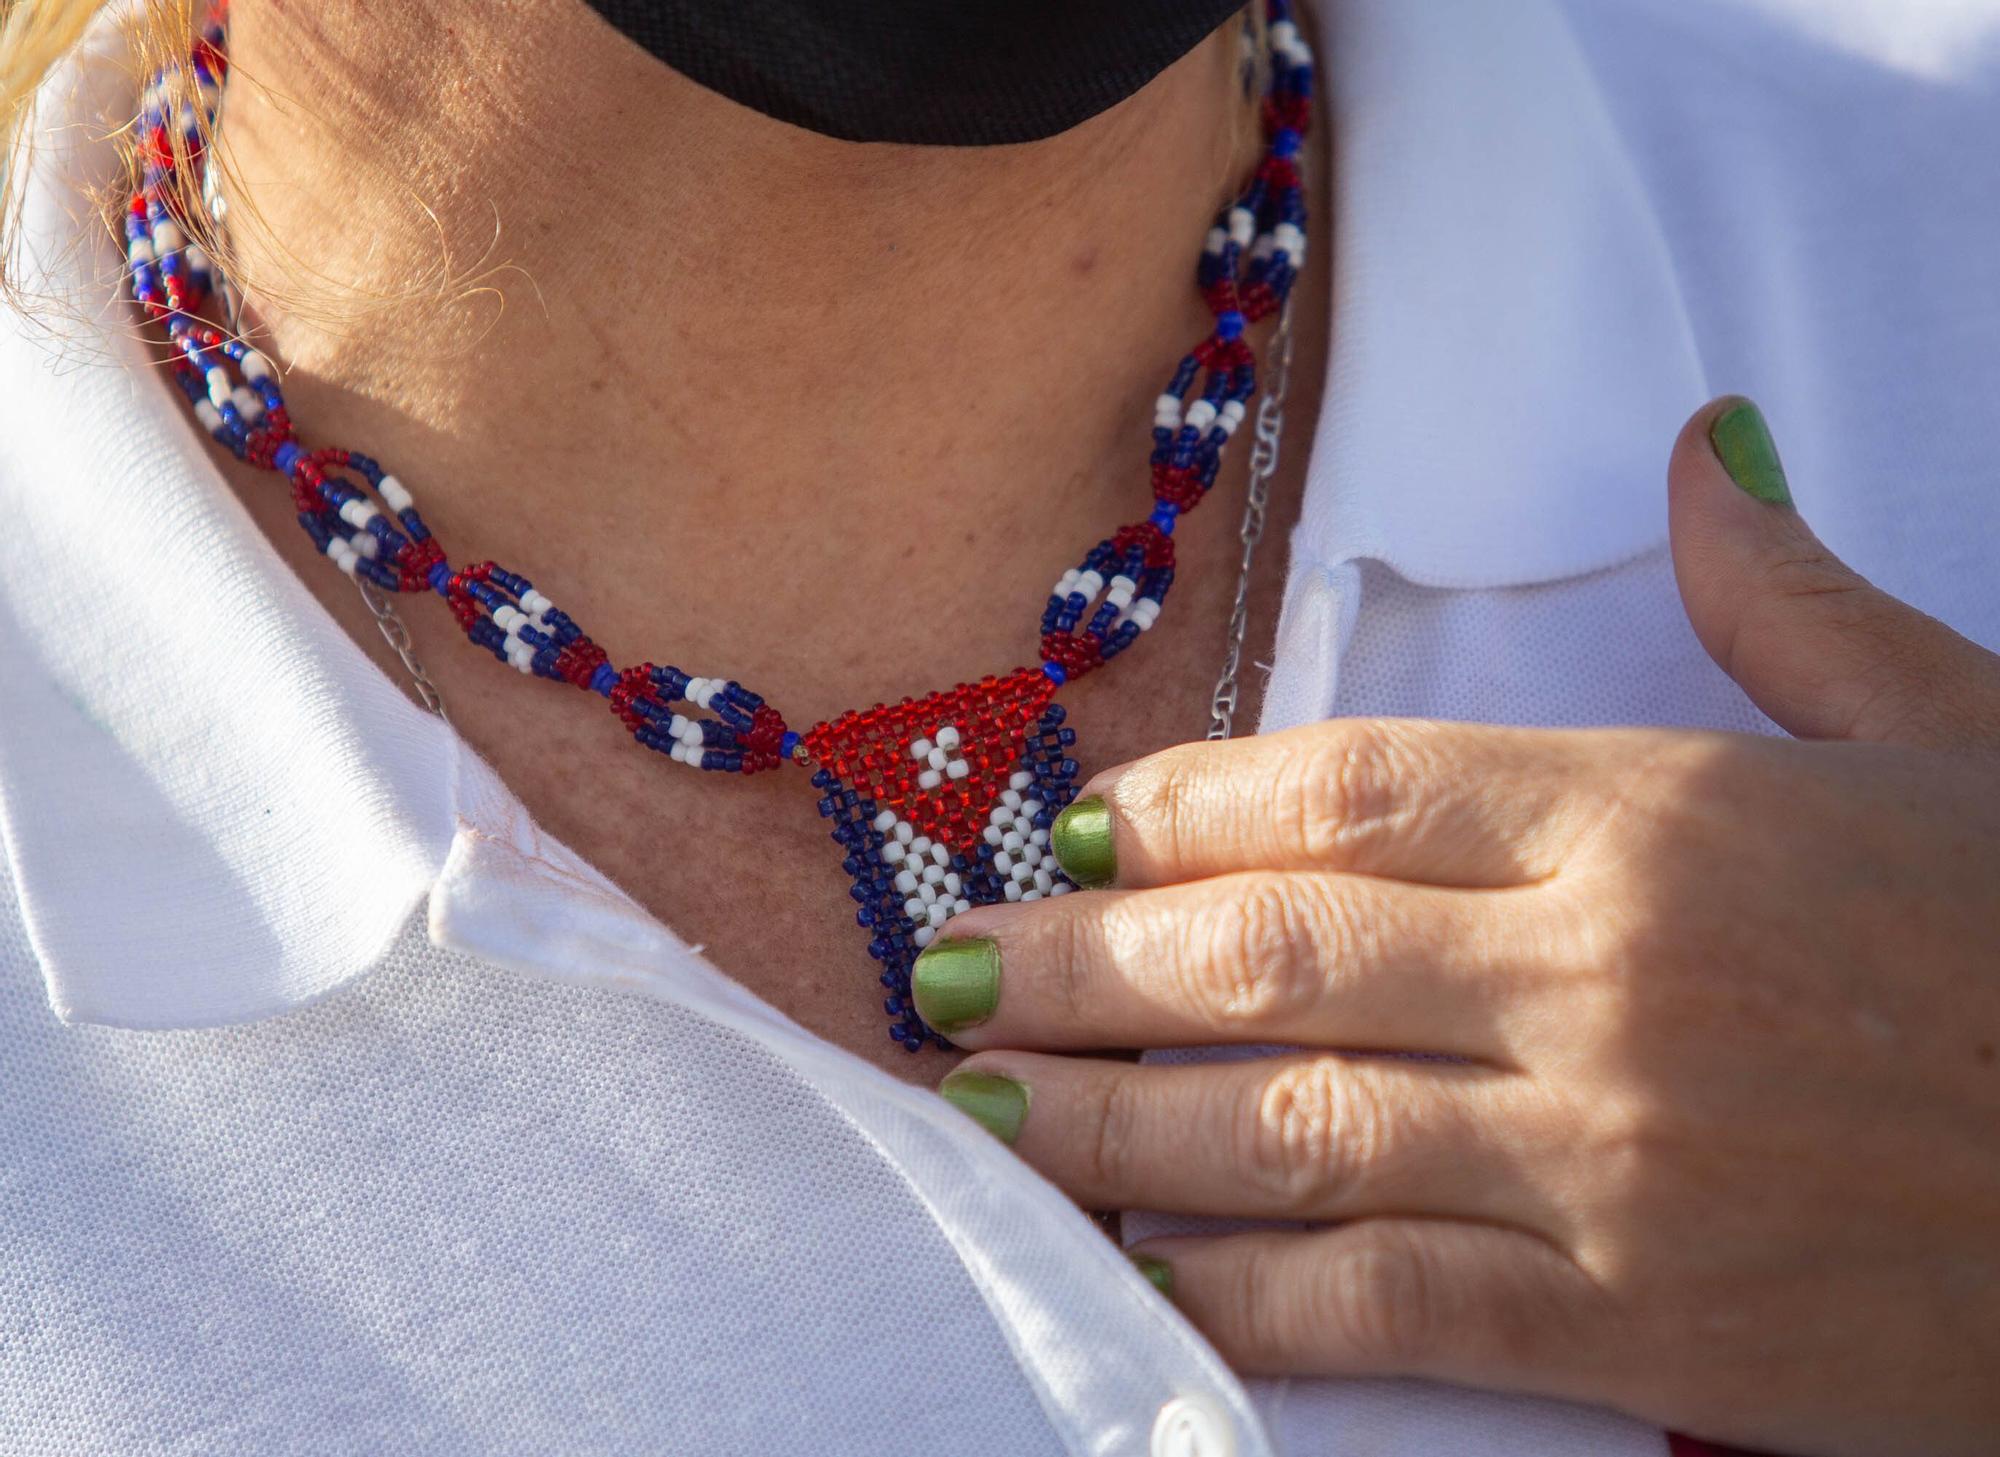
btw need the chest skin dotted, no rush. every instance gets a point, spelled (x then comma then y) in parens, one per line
(744, 868)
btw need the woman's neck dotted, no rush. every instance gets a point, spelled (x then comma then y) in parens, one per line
(825, 418)
(699, 344)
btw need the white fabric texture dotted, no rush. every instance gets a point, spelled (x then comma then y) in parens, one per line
(495, 1163)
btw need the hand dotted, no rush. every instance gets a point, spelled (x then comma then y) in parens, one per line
(1714, 1136)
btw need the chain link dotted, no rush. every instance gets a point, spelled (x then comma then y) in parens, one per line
(1270, 430)
(396, 633)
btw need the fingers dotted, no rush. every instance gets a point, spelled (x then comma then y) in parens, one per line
(1815, 646)
(1446, 804)
(1301, 1137)
(1471, 1303)
(1342, 961)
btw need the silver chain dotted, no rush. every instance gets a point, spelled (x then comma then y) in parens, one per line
(394, 630)
(1270, 430)
(397, 635)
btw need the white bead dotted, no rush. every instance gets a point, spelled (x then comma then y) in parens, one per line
(991, 834)
(1090, 584)
(1013, 842)
(921, 750)
(893, 853)
(1020, 779)
(196, 259)
(906, 883)
(904, 834)
(937, 758)
(886, 821)
(941, 854)
(960, 906)
(1216, 240)
(1012, 891)
(957, 769)
(139, 251)
(1201, 415)
(928, 895)
(921, 845)
(948, 737)
(218, 387)
(1032, 854)
(1242, 226)
(1282, 35)
(914, 909)
(1002, 815)
(398, 497)
(1010, 799)
(248, 405)
(925, 935)
(367, 545)
(953, 882)
(1024, 874)
(168, 238)
(1288, 237)
(1031, 895)
(1002, 861)
(255, 367)
(929, 779)
(1044, 882)
(210, 417)
(1061, 887)
(939, 914)
(344, 556)
(1032, 808)
(1039, 837)
(934, 875)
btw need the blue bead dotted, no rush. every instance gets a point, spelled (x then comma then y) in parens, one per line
(1055, 674)
(1286, 142)
(1229, 324)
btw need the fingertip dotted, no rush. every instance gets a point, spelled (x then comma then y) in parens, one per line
(1729, 442)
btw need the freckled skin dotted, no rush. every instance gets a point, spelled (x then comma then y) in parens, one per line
(714, 431)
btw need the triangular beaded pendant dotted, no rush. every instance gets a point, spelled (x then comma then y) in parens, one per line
(943, 803)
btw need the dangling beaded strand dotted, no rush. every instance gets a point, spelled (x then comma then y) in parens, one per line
(940, 803)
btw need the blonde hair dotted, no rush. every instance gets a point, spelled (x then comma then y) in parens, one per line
(36, 36)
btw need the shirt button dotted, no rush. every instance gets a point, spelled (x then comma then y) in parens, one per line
(1190, 1427)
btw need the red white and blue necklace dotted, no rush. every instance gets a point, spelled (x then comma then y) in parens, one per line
(939, 803)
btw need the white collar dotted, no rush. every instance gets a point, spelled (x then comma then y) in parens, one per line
(1508, 344)
(1511, 358)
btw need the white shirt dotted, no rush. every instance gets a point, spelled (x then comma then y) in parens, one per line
(343, 1111)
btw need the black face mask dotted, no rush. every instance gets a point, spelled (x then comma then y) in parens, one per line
(942, 72)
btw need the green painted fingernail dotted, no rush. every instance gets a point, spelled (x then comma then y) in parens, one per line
(997, 1104)
(1158, 1271)
(1743, 444)
(1081, 838)
(956, 983)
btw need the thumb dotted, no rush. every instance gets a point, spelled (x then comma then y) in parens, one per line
(1819, 649)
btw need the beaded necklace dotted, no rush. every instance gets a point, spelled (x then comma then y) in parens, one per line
(939, 803)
